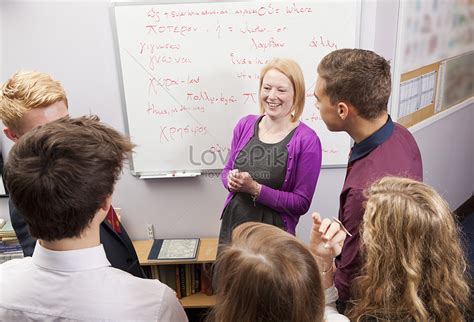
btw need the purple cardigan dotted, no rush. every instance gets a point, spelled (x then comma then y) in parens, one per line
(303, 166)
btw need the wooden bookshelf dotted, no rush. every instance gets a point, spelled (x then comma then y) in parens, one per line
(206, 254)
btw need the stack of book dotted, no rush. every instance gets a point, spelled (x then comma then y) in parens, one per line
(184, 279)
(9, 246)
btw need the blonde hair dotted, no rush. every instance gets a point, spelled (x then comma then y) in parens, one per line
(27, 90)
(415, 267)
(292, 70)
(266, 274)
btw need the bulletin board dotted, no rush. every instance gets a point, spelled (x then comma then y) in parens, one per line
(434, 59)
(417, 94)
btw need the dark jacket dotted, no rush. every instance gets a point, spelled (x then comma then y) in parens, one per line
(118, 246)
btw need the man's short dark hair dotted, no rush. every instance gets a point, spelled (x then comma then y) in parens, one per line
(61, 173)
(359, 77)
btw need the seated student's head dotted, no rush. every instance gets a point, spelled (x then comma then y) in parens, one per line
(62, 174)
(352, 78)
(266, 274)
(414, 267)
(29, 99)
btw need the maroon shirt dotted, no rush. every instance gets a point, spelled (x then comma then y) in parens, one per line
(391, 150)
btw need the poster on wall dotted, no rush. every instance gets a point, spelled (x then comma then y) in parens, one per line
(458, 81)
(435, 30)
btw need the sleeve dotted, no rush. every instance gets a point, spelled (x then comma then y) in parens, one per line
(307, 168)
(230, 161)
(171, 310)
(348, 263)
(330, 311)
(21, 230)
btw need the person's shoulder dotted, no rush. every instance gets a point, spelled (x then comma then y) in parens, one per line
(306, 132)
(245, 123)
(402, 139)
(306, 135)
(133, 283)
(15, 263)
(15, 270)
(399, 129)
(248, 119)
(145, 297)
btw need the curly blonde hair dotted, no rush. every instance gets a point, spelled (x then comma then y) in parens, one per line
(415, 269)
(27, 90)
(268, 275)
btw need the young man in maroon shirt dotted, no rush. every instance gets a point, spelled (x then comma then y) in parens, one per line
(352, 93)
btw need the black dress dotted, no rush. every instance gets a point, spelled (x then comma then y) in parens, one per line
(266, 163)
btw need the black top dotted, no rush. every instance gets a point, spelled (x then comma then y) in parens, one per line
(118, 246)
(266, 163)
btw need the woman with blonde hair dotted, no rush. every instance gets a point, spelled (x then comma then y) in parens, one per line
(266, 274)
(414, 267)
(275, 159)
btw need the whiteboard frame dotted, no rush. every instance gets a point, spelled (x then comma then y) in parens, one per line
(194, 173)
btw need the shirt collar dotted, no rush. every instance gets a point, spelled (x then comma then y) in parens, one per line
(70, 260)
(361, 149)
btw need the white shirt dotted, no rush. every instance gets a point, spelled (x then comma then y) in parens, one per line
(330, 313)
(81, 285)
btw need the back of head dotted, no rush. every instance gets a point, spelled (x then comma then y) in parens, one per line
(60, 174)
(292, 70)
(359, 77)
(266, 274)
(414, 263)
(27, 90)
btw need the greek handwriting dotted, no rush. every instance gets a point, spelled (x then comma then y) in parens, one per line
(160, 29)
(322, 42)
(271, 43)
(205, 96)
(172, 133)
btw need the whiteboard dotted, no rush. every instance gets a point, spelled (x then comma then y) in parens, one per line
(189, 72)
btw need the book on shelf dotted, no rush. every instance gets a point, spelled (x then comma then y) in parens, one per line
(206, 279)
(174, 249)
(184, 279)
(187, 271)
(10, 248)
(177, 282)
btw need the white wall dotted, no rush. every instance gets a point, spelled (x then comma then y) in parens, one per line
(3, 201)
(447, 149)
(73, 42)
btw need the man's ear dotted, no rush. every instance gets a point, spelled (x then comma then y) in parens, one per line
(107, 204)
(10, 134)
(342, 110)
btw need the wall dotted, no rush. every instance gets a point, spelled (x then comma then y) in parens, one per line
(447, 150)
(73, 41)
(3, 201)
